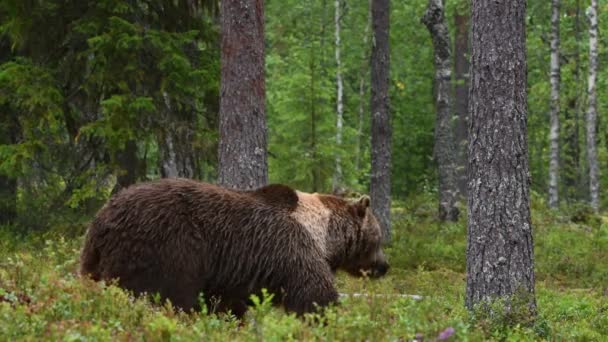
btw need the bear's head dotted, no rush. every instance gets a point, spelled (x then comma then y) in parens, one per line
(366, 257)
(347, 233)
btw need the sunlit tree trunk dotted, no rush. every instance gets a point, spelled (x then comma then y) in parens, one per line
(337, 180)
(594, 186)
(461, 101)
(554, 131)
(380, 187)
(500, 250)
(243, 134)
(434, 19)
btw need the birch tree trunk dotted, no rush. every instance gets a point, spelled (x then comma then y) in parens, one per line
(594, 186)
(554, 131)
(380, 185)
(500, 251)
(337, 179)
(176, 153)
(362, 74)
(461, 101)
(434, 19)
(243, 134)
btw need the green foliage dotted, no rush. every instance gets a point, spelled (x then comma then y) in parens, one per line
(80, 80)
(42, 297)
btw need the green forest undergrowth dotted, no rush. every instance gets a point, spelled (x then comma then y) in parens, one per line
(42, 297)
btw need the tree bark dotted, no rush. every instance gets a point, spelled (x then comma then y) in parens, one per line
(554, 131)
(500, 251)
(127, 163)
(594, 186)
(434, 19)
(380, 187)
(337, 180)
(243, 134)
(461, 101)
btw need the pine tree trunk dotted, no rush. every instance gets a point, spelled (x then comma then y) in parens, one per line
(554, 131)
(380, 186)
(362, 74)
(337, 180)
(242, 145)
(434, 19)
(594, 186)
(500, 251)
(461, 101)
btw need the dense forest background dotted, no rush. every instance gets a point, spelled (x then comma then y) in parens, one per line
(96, 95)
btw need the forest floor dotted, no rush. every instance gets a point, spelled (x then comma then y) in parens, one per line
(42, 298)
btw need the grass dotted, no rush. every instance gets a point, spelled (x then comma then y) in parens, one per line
(42, 298)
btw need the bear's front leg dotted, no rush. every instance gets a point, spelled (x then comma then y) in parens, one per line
(308, 296)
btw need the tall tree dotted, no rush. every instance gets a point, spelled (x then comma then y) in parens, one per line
(554, 131)
(594, 186)
(242, 147)
(461, 93)
(500, 251)
(339, 101)
(434, 19)
(380, 186)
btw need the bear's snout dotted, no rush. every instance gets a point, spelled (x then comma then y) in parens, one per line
(380, 269)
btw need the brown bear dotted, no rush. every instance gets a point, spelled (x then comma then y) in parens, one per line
(180, 238)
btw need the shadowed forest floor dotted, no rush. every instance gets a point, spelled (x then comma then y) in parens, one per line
(41, 296)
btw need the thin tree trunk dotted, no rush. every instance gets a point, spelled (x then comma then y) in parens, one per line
(572, 173)
(500, 250)
(127, 163)
(315, 169)
(313, 124)
(8, 185)
(243, 134)
(362, 74)
(380, 187)
(337, 181)
(594, 186)
(8, 200)
(554, 131)
(434, 19)
(176, 151)
(461, 92)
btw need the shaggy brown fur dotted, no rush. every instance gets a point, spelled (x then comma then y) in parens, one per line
(178, 238)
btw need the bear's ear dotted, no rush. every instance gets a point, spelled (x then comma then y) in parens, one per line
(360, 206)
(365, 201)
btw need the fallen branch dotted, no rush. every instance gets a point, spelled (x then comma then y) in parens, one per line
(415, 297)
